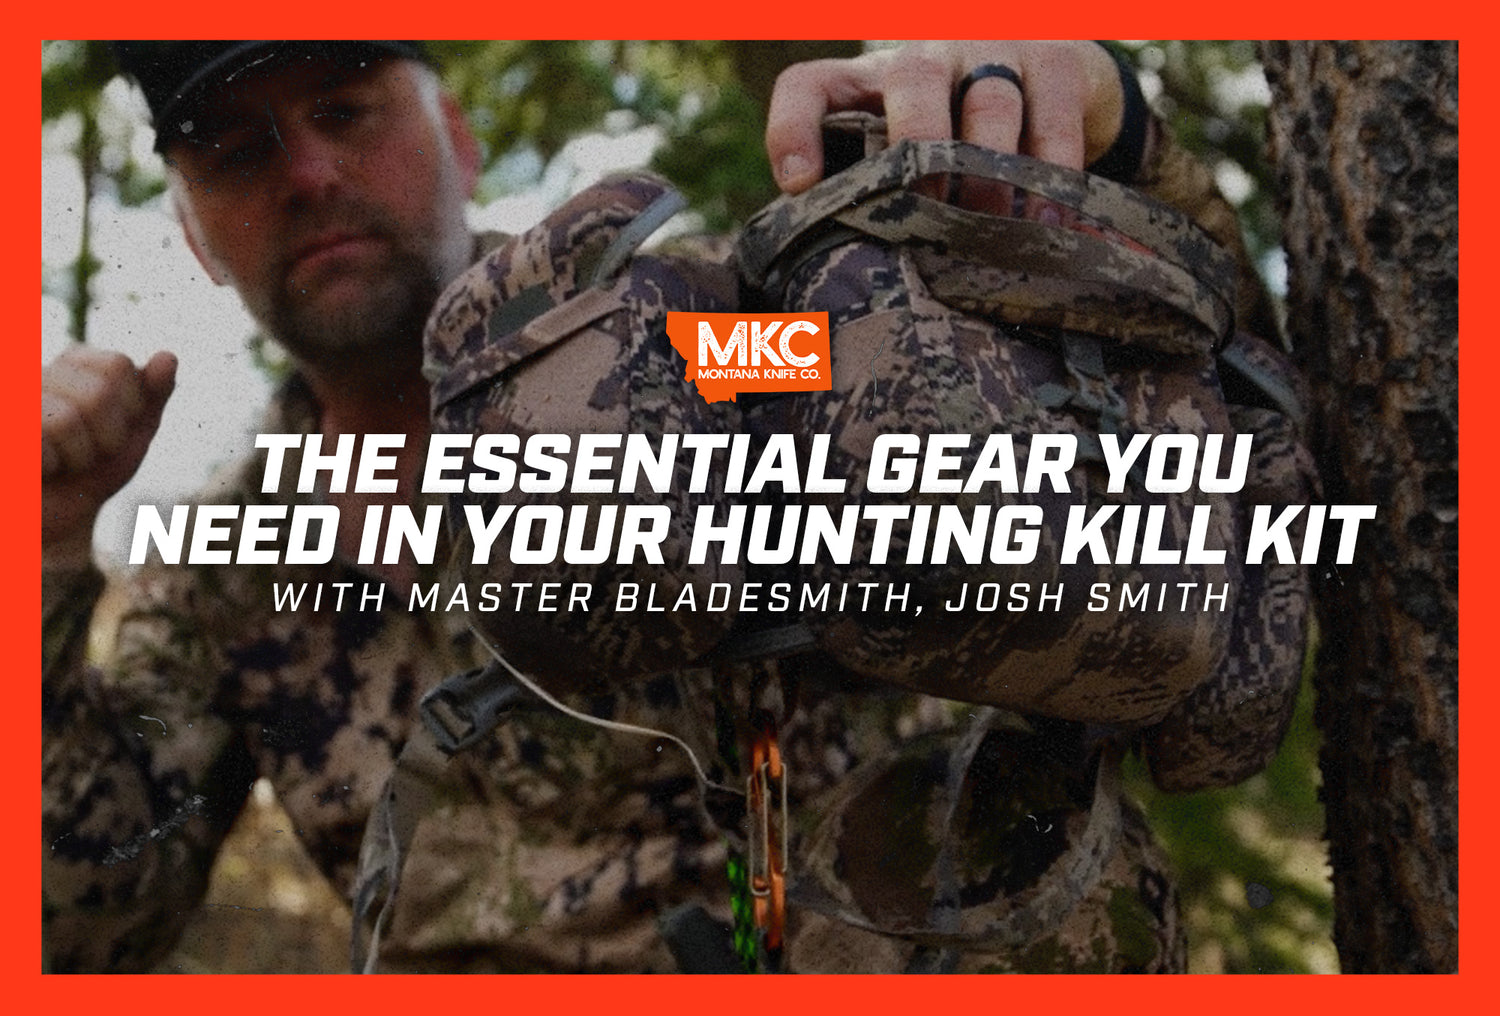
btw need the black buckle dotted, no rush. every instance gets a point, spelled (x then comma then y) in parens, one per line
(467, 706)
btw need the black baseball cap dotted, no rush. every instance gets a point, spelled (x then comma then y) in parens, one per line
(177, 75)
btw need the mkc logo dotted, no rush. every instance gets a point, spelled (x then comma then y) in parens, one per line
(731, 353)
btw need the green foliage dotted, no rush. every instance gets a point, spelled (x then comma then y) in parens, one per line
(74, 76)
(1251, 862)
(718, 160)
(1212, 93)
(526, 100)
(528, 96)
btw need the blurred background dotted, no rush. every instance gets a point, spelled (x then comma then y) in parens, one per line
(552, 117)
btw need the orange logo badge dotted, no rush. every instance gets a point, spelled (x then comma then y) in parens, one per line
(731, 353)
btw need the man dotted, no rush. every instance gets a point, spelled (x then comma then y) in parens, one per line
(326, 183)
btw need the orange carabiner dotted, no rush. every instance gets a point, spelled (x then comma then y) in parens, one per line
(768, 838)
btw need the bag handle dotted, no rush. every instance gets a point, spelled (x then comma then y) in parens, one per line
(1193, 273)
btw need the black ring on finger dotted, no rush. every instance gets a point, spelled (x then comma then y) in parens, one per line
(989, 70)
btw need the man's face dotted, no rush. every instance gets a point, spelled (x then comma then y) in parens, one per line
(331, 197)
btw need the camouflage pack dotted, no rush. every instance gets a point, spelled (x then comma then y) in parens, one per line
(1112, 317)
(1117, 322)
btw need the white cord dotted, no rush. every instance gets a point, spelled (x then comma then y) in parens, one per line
(624, 728)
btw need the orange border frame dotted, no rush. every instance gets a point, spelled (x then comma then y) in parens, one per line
(19, 926)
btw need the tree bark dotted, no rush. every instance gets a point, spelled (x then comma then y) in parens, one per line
(1365, 139)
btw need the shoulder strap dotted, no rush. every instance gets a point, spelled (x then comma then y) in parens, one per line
(587, 242)
(459, 711)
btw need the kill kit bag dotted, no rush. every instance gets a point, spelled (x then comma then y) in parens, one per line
(1113, 316)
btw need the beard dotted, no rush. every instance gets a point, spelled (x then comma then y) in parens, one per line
(395, 291)
(388, 316)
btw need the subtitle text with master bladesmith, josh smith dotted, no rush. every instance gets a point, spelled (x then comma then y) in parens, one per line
(744, 597)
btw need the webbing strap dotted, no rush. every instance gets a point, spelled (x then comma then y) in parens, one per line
(1281, 394)
(635, 233)
(944, 912)
(765, 643)
(1083, 358)
(458, 712)
(409, 794)
(1165, 231)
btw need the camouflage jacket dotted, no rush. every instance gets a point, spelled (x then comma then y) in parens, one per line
(554, 846)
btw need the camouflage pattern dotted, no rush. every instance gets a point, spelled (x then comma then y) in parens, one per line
(528, 342)
(1124, 259)
(555, 845)
(1127, 922)
(1228, 728)
(906, 361)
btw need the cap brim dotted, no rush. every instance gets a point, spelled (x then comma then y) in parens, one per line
(245, 55)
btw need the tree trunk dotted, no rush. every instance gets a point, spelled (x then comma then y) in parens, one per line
(1365, 138)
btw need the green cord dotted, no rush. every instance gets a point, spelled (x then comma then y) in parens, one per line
(745, 945)
(746, 940)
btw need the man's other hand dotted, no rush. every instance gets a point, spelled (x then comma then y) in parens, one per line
(99, 414)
